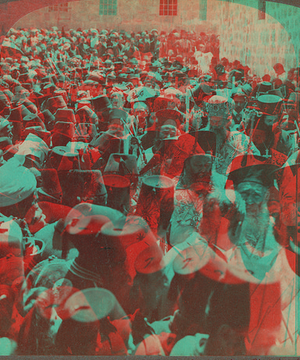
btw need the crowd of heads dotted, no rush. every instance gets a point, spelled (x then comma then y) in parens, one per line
(148, 197)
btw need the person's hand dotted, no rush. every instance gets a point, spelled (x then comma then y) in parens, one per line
(101, 141)
(116, 131)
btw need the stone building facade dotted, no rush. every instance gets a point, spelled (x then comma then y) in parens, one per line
(255, 37)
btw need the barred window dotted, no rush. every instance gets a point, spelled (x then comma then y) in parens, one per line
(108, 7)
(60, 7)
(168, 7)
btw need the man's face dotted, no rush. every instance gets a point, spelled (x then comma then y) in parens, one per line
(253, 194)
(167, 131)
(202, 48)
(116, 129)
(239, 105)
(21, 94)
(198, 166)
(217, 121)
(141, 114)
(150, 82)
(117, 100)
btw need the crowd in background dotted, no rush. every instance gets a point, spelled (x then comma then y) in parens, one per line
(148, 197)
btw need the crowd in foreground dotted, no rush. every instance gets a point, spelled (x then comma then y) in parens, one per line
(148, 197)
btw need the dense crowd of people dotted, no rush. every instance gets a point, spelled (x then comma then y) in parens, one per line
(148, 197)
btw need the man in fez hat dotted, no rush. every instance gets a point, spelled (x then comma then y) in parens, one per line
(101, 261)
(172, 147)
(111, 140)
(204, 322)
(102, 105)
(94, 323)
(267, 134)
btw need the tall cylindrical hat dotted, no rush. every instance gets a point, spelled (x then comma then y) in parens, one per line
(65, 115)
(54, 103)
(82, 186)
(63, 132)
(62, 158)
(118, 192)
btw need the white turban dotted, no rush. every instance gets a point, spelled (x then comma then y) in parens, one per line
(16, 183)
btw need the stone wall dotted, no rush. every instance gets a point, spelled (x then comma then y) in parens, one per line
(132, 15)
(258, 43)
(243, 36)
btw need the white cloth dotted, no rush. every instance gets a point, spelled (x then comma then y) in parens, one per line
(190, 345)
(204, 60)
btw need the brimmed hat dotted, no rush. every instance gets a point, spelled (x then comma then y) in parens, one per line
(264, 87)
(252, 168)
